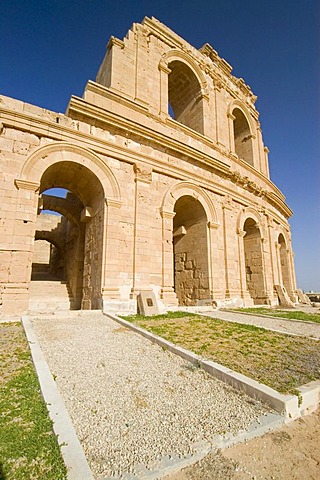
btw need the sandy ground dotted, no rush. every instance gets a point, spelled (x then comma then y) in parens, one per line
(291, 452)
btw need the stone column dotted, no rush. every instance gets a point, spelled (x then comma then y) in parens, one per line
(227, 229)
(142, 249)
(167, 289)
(242, 267)
(110, 270)
(163, 94)
(279, 271)
(231, 119)
(215, 290)
(292, 277)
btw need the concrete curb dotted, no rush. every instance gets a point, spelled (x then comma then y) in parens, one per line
(71, 449)
(291, 406)
(275, 330)
(260, 315)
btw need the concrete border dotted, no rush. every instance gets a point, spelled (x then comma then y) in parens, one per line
(291, 406)
(71, 449)
(260, 315)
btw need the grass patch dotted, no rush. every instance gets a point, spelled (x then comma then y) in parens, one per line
(287, 314)
(28, 446)
(282, 362)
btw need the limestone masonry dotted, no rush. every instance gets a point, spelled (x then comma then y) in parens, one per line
(168, 186)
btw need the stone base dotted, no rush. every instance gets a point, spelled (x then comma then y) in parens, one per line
(14, 299)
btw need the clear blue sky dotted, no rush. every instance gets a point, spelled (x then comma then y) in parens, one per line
(49, 49)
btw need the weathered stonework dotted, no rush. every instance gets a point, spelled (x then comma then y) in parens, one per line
(169, 185)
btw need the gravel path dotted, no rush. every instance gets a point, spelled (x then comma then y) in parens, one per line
(132, 402)
(304, 329)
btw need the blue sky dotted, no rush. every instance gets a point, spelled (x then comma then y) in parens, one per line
(50, 49)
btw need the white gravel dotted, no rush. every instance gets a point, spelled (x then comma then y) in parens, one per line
(130, 401)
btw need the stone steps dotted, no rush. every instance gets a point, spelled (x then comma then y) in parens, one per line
(49, 296)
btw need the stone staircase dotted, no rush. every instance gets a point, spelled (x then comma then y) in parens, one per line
(48, 294)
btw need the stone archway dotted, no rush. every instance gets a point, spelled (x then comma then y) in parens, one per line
(204, 218)
(190, 252)
(253, 256)
(82, 173)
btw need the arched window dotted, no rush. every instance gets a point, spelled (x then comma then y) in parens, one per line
(185, 98)
(242, 137)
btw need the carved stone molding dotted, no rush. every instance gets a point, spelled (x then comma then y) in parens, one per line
(112, 202)
(166, 214)
(143, 173)
(115, 41)
(26, 185)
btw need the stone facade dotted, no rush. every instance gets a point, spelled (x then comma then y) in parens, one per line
(168, 183)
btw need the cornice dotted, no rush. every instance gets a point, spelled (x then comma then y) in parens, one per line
(78, 106)
(47, 128)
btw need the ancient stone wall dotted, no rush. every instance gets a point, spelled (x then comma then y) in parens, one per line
(168, 181)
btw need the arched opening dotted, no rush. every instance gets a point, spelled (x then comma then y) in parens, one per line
(184, 94)
(190, 246)
(76, 233)
(254, 262)
(242, 137)
(284, 271)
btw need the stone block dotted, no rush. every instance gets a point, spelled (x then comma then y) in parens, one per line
(147, 303)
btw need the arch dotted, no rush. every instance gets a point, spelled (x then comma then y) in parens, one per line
(251, 212)
(44, 157)
(251, 232)
(174, 193)
(63, 206)
(181, 56)
(186, 89)
(193, 190)
(241, 106)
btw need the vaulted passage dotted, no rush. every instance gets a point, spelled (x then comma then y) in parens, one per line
(242, 137)
(185, 97)
(75, 234)
(254, 262)
(191, 278)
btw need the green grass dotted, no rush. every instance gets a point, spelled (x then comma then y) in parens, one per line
(283, 362)
(28, 446)
(288, 314)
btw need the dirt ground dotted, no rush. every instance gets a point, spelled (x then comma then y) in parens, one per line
(291, 452)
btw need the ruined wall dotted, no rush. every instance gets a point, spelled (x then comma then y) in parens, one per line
(129, 164)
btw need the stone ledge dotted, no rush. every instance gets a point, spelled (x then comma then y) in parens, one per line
(71, 449)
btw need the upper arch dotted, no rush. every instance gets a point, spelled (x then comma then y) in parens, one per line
(44, 157)
(242, 107)
(191, 189)
(181, 56)
(250, 212)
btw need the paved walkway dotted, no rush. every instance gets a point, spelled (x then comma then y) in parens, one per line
(303, 329)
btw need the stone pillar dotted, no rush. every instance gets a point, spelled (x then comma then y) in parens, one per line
(293, 293)
(16, 257)
(167, 289)
(142, 249)
(110, 271)
(227, 229)
(266, 161)
(242, 267)
(163, 94)
(215, 289)
(231, 119)
(279, 271)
